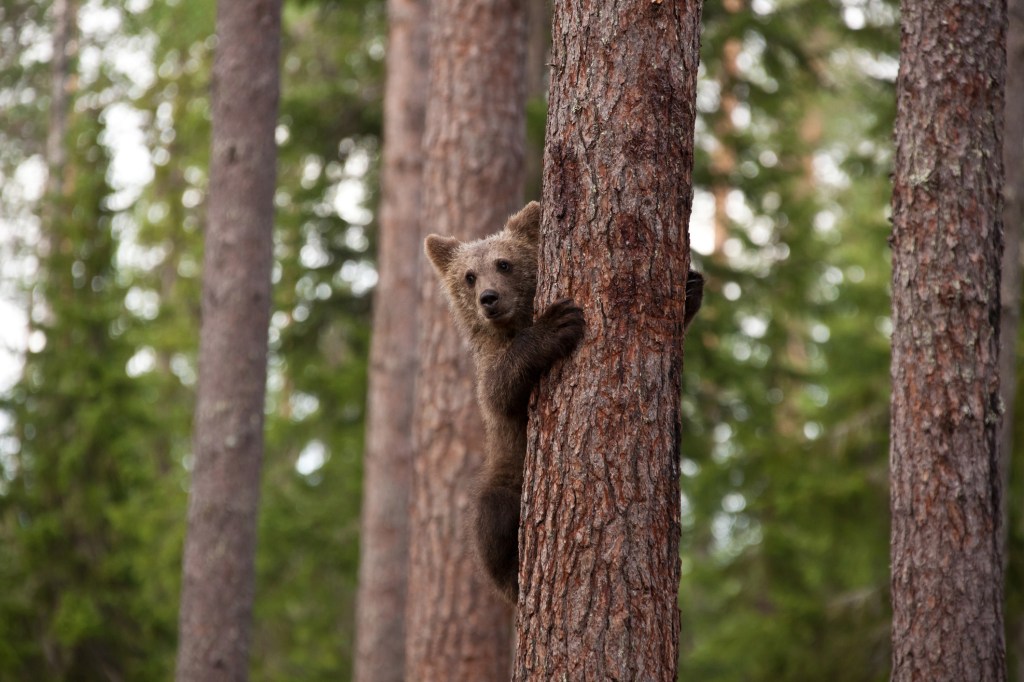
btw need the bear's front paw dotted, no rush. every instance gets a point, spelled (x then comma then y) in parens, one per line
(564, 321)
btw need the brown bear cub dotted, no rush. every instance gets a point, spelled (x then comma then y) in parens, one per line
(490, 285)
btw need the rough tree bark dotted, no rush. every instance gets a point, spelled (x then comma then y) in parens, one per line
(218, 574)
(599, 560)
(457, 628)
(387, 463)
(947, 242)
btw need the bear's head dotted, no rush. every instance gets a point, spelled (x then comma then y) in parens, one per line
(490, 283)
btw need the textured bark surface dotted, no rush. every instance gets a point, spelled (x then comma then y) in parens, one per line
(599, 561)
(947, 243)
(457, 627)
(217, 587)
(387, 463)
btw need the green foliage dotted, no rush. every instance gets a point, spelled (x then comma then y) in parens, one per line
(785, 544)
(77, 518)
(1014, 611)
(23, 82)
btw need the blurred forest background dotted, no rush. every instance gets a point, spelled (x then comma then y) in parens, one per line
(785, 448)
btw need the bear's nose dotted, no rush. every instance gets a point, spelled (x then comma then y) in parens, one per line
(488, 298)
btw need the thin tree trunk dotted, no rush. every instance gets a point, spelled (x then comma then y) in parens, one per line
(599, 539)
(947, 243)
(63, 82)
(538, 52)
(64, 16)
(538, 46)
(218, 575)
(387, 464)
(723, 157)
(1013, 224)
(457, 627)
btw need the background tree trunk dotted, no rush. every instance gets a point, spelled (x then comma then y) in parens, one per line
(387, 463)
(63, 83)
(947, 243)
(63, 79)
(218, 576)
(538, 52)
(457, 627)
(1013, 223)
(599, 566)
(1010, 290)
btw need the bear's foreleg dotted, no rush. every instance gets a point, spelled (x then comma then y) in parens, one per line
(554, 335)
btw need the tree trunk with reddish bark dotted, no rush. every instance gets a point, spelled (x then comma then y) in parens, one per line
(947, 243)
(387, 463)
(599, 539)
(457, 626)
(218, 575)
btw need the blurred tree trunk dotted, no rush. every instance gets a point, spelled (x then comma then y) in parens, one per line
(387, 463)
(457, 627)
(1013, 225)
(538, 51)
(538, 46)
(723, 156)
(947, 243)
(599, 540)
(63, 82)
(218, 573)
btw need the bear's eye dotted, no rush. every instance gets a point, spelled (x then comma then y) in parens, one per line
(504, 266)
(470, 278)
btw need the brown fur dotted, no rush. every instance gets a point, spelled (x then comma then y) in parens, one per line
(511, 351)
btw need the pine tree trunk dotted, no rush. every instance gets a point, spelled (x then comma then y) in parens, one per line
(1013, 224)
(63, 81)
(947, 243)
(723, 157)
(457, 628)
(538, 53)
(218, 575)
(387, 464)
(63, 85)
(599, 540)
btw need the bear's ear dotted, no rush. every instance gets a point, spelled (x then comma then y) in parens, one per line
(441, 251)
(526, 223)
